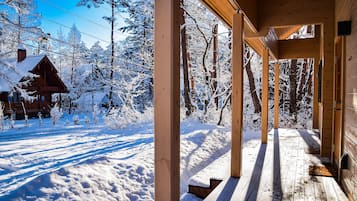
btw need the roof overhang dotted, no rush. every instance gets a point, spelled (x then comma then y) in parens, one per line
(267, 23)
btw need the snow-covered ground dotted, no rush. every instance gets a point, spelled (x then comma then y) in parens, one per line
(93, 162)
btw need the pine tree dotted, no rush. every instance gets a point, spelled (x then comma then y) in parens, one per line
(115, 5)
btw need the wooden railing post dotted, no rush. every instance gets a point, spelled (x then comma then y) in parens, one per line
(237, 95)
(167, 100)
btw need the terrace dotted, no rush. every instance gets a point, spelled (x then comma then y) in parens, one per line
(281, 168)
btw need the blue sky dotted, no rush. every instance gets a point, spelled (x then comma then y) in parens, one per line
(62, 14)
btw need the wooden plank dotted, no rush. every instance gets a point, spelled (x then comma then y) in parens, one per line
(237, 95)
(265, 83)
(276, 95)
(167, 100)
(333, 191)
(280, 165)
(299, 48)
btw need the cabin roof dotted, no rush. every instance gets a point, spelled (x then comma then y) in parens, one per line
(15, 75)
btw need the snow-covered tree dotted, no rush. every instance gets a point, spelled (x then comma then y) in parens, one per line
(116, 6)
(19, 22)
(139, 46)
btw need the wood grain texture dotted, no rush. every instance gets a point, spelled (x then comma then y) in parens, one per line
(299, 48)
(265, 88)
(237, 95)
(279, 171)
(167, 100)
(276, 94)
(315, 104)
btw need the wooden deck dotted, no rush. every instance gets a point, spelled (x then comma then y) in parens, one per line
(279, 170)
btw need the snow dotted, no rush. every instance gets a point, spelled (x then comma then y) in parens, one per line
(73, 162)
(22, 69)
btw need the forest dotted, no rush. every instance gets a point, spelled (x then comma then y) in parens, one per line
(117, 75)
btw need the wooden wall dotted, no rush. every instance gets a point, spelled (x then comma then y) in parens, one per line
(346, 10)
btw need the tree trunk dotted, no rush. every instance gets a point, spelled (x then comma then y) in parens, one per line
(186, 84)
(228, 100)
(214, 70)
(192, 80)
(112, 58)
(302, 85)
(252, 89)
(292, 78)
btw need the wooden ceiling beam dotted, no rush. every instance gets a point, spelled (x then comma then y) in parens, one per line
(284, 32)
(250, 10)
(299, 48)
(225, 11)
(281, 13)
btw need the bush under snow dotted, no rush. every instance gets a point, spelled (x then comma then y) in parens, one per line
(121, 118)
(56, 113)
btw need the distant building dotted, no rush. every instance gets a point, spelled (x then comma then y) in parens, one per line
(45, 84)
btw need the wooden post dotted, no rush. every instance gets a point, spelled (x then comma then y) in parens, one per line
(167, 100)
(265, 83)
(328, 37)
(317, 58)
(276, 95)
(315, 104)
(237, 95)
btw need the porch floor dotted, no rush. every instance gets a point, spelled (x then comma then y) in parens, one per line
(279, 170)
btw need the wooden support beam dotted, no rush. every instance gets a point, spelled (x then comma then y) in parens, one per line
(265, 83)
(328, 37)
(284, 32)
(276, 94)
(271, 41)
(237, 95)
(167, 100)
(315, 105)
(280, 13)
(299, 48)
(317, 58)
(250, 10)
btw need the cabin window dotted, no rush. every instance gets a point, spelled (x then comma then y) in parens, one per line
(43, 98)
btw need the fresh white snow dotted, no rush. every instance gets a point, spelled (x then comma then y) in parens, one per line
(93, 162)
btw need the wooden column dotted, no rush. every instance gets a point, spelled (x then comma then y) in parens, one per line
(276, 94)
(327, 88)
(265, 83)
(317, 58)
(315, 104)
(167, 100)
(237, 95)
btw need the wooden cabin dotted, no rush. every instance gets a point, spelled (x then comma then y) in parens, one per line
(265, 25)
(46, 83)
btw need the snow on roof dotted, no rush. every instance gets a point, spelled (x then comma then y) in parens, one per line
(14, 71)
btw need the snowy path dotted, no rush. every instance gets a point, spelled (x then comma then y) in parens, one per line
(26, 154)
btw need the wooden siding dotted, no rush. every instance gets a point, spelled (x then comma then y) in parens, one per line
(344, 10)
